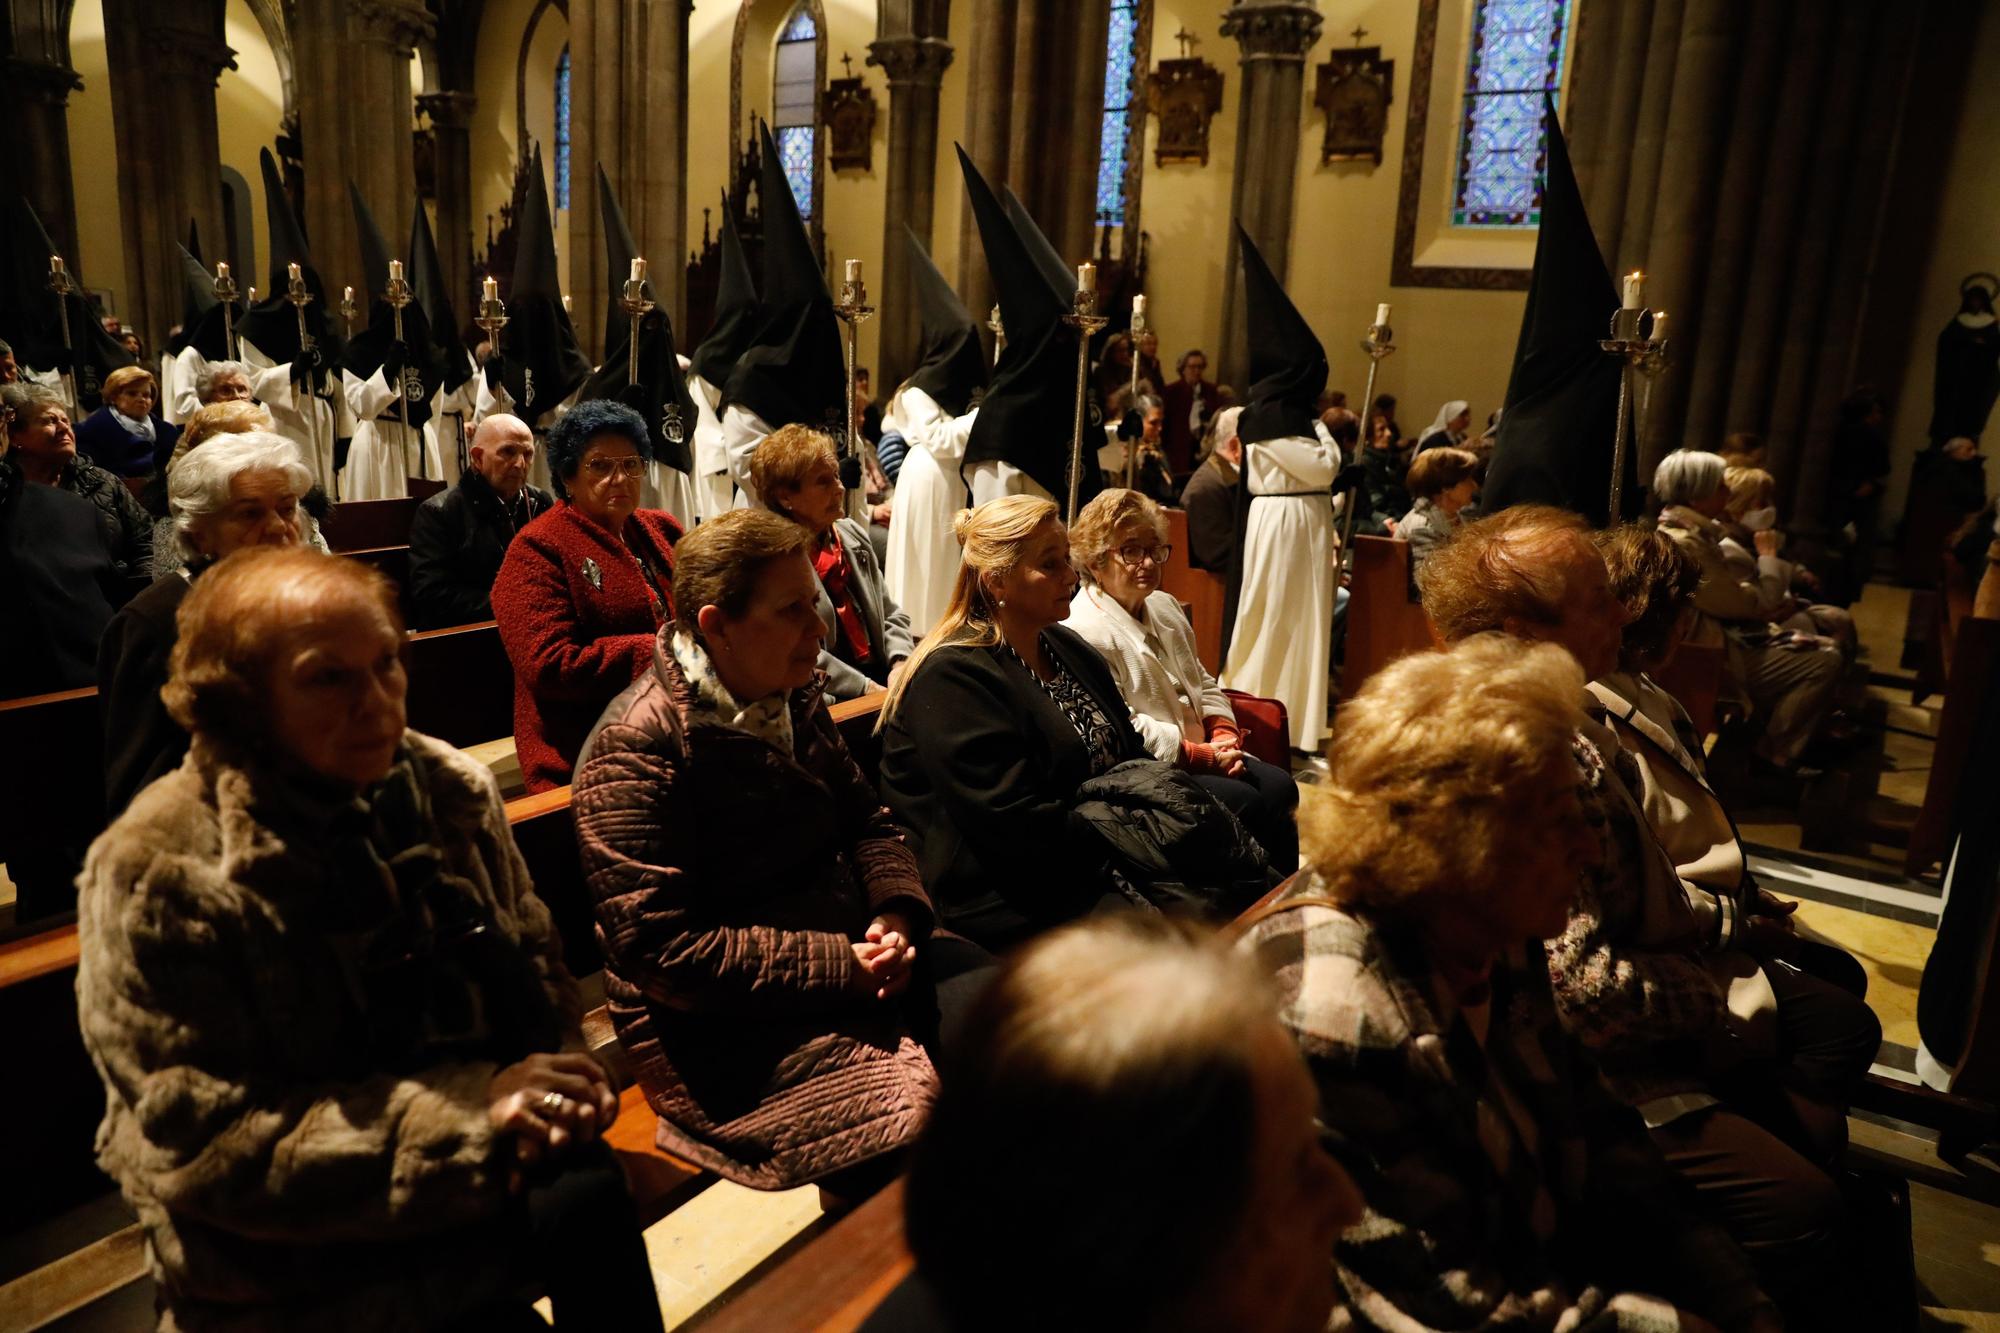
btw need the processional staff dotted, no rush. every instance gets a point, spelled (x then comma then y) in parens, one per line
(853, 309)
(1379, 343)
(62, 284)
(225, 293)
(1138, 331)
(1084, 318)
(1639, 340)
(636, 306)
(300, 297)
(397, 294)
(348, 310)
(999, 334)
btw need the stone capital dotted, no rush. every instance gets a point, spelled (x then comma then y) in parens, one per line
(911, 60)
(40, 79)
(192, 55)
(1277, 30)
(392, 23)
(448, 110)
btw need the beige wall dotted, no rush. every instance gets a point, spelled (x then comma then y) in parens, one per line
(495, 129)
(1965, 241)
(93, 160)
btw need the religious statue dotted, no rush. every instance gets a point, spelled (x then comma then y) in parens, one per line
(1968, 363)
(849, 111)
(1355, 89)
(1185, 94)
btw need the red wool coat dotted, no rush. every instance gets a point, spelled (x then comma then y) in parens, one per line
(577, 618)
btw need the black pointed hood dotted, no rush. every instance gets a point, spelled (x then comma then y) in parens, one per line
(406, 363)
(1040, 249)
(543, 363)
(448, 355)
(375, 254)
(619, 252)
(272, 325)
(1287, 364)
(194, 241)
(197, 297)
(737, 310)
(794, 370)
(1558, 427)
(29, 312)
(1028, 415)
(951, 363)
(660, 397)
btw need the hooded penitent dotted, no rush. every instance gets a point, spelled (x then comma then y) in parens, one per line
(737, 312)
(951, 364)
(1028, 415)
(1287, 374)
(409, 361)
(197, 299)
(793, 371)
(452, 367)
(541, 362)
(1557, 433)
(272, 325)
(29, 318)
(661, 395)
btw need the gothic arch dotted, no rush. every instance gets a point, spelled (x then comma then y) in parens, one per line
(779, 10)
(271, 19)
(521, 66)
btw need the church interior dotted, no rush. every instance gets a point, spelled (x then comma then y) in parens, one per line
(512, 900)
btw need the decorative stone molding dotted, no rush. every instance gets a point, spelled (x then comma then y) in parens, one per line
(1275, 30)
(920, 61)
(391, 23)
(39, 79)
(448, 110)
(193, 55)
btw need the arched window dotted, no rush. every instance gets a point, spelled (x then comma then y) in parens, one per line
(795, 104)
(1115, 150)
(562, 129)
(1516, 57)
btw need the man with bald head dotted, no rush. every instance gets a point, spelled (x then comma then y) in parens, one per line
(460, 535)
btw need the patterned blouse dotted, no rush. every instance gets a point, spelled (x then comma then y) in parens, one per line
(1069, 694)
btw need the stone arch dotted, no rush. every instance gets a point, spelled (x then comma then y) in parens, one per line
(763, 19)
(271, 20)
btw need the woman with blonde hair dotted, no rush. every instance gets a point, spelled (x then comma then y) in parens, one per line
(1504, 1186)
(127, 436)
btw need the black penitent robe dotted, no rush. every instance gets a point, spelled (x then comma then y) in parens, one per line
(1968, 380)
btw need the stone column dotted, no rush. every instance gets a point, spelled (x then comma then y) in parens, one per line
(34, 151)
(1274, 36)
(325, 99)
(451, 119)
(985, 142)
(382, 40)
(171, 166)
(915, 65)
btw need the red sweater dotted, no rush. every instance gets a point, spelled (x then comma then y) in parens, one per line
(577, 617)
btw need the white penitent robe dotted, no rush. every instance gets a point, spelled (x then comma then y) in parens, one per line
(742, 431)
(923, 551)
(714, 490)
(383, 455)
(311, 421)
(995, 480)
(1284, 614)
(170, 389)
(187, 373)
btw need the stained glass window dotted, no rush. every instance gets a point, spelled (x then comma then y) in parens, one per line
(562, 129)
(1121, 63)
(795, 105)
(1516, 57)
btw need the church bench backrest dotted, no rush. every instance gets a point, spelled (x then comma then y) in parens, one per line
(856, 720)
(461, 684)
(360, 525)
(1199, 590)
(1384, 619)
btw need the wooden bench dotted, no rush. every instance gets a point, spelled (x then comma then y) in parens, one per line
(1385, 620)
(461, 684)
(362, 525)
(1198, 590)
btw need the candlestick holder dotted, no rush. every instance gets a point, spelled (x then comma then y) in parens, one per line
(632, 300)
(1132, 446)
(62, 285)
(225, 294)
(348, 310)
(999, 331)
(1379, 344)
(397, 293)
(1083, 317)
(854, 310)
(1638, 354)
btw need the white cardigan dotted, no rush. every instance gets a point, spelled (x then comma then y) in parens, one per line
(1164, 683)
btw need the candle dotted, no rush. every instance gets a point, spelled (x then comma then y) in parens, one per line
(55, 263)
(1086, 278)
(1635, 289)
(567, 307)
(1382, 313)
(252, 297)
(1659, 326)
(638, 270)
(292, 273)
(221, 272)
(347, 295)
(1139, 306)
(491, 289)
(395, 270)
(853, 270)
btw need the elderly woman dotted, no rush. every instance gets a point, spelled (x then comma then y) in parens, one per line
(327, 1005)
(43, 445)
(1741, 1064)
(1097, 1054)
(1449, 430)
(1504, 1188)
(238, 491)
(127, 437)
(1788, 680)
(584, 588)
(1443, 482)
(1752, 509)
(796, 473)
(234, 417)
(1180, 712)
(213, 382)
(762, 918)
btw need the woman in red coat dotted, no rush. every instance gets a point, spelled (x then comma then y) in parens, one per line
(583, 588)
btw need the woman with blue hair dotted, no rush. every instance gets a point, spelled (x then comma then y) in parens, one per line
(584, 588)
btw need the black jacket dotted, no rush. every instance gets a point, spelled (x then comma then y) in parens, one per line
(1210, 501)
(127, 527)
(58, 585)
(140, 741)
(102, 439)
(1173, 845)
(458, 538)
(982, 769)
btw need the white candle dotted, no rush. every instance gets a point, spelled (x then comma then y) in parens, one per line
(1139, 305)
(292, 273)
(221, 271)
(491, 289)
(1659, 326)
(638, 270)
(55, 263)
(347, 296)
(1382, 313)
(853, 270)
(567, 307)
(1086, 277)
(252, 297)
(395, 270)
(1635, 290)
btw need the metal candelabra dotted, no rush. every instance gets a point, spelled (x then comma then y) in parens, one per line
(999, 334)
(300, 297)
(1638, 339)
(225, 293)
(62, 284)
(636, 307)
(1132, 446)
(853, 309)
(1084, 318)
(348, 310)
(397, 294)
(1379, 343)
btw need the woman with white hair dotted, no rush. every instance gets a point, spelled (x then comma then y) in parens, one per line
(1788, 678)
(1454, 420)
(234, 491)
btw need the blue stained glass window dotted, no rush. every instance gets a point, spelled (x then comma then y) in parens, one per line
(795, 104)
(1516, 57)
(799, 28)
(562, 129)
(1121, 64)
(796, 154)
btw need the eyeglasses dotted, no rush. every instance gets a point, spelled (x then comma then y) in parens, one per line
(602, 468)
(1133, 554)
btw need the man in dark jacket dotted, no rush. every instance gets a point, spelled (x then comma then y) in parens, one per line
(1210, 498)
(459, 536)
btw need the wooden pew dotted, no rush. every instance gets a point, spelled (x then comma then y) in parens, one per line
(423, 488)
(1384, 619)
(361, 525)
(55, 806)
(1200, 591)
(461, 684)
